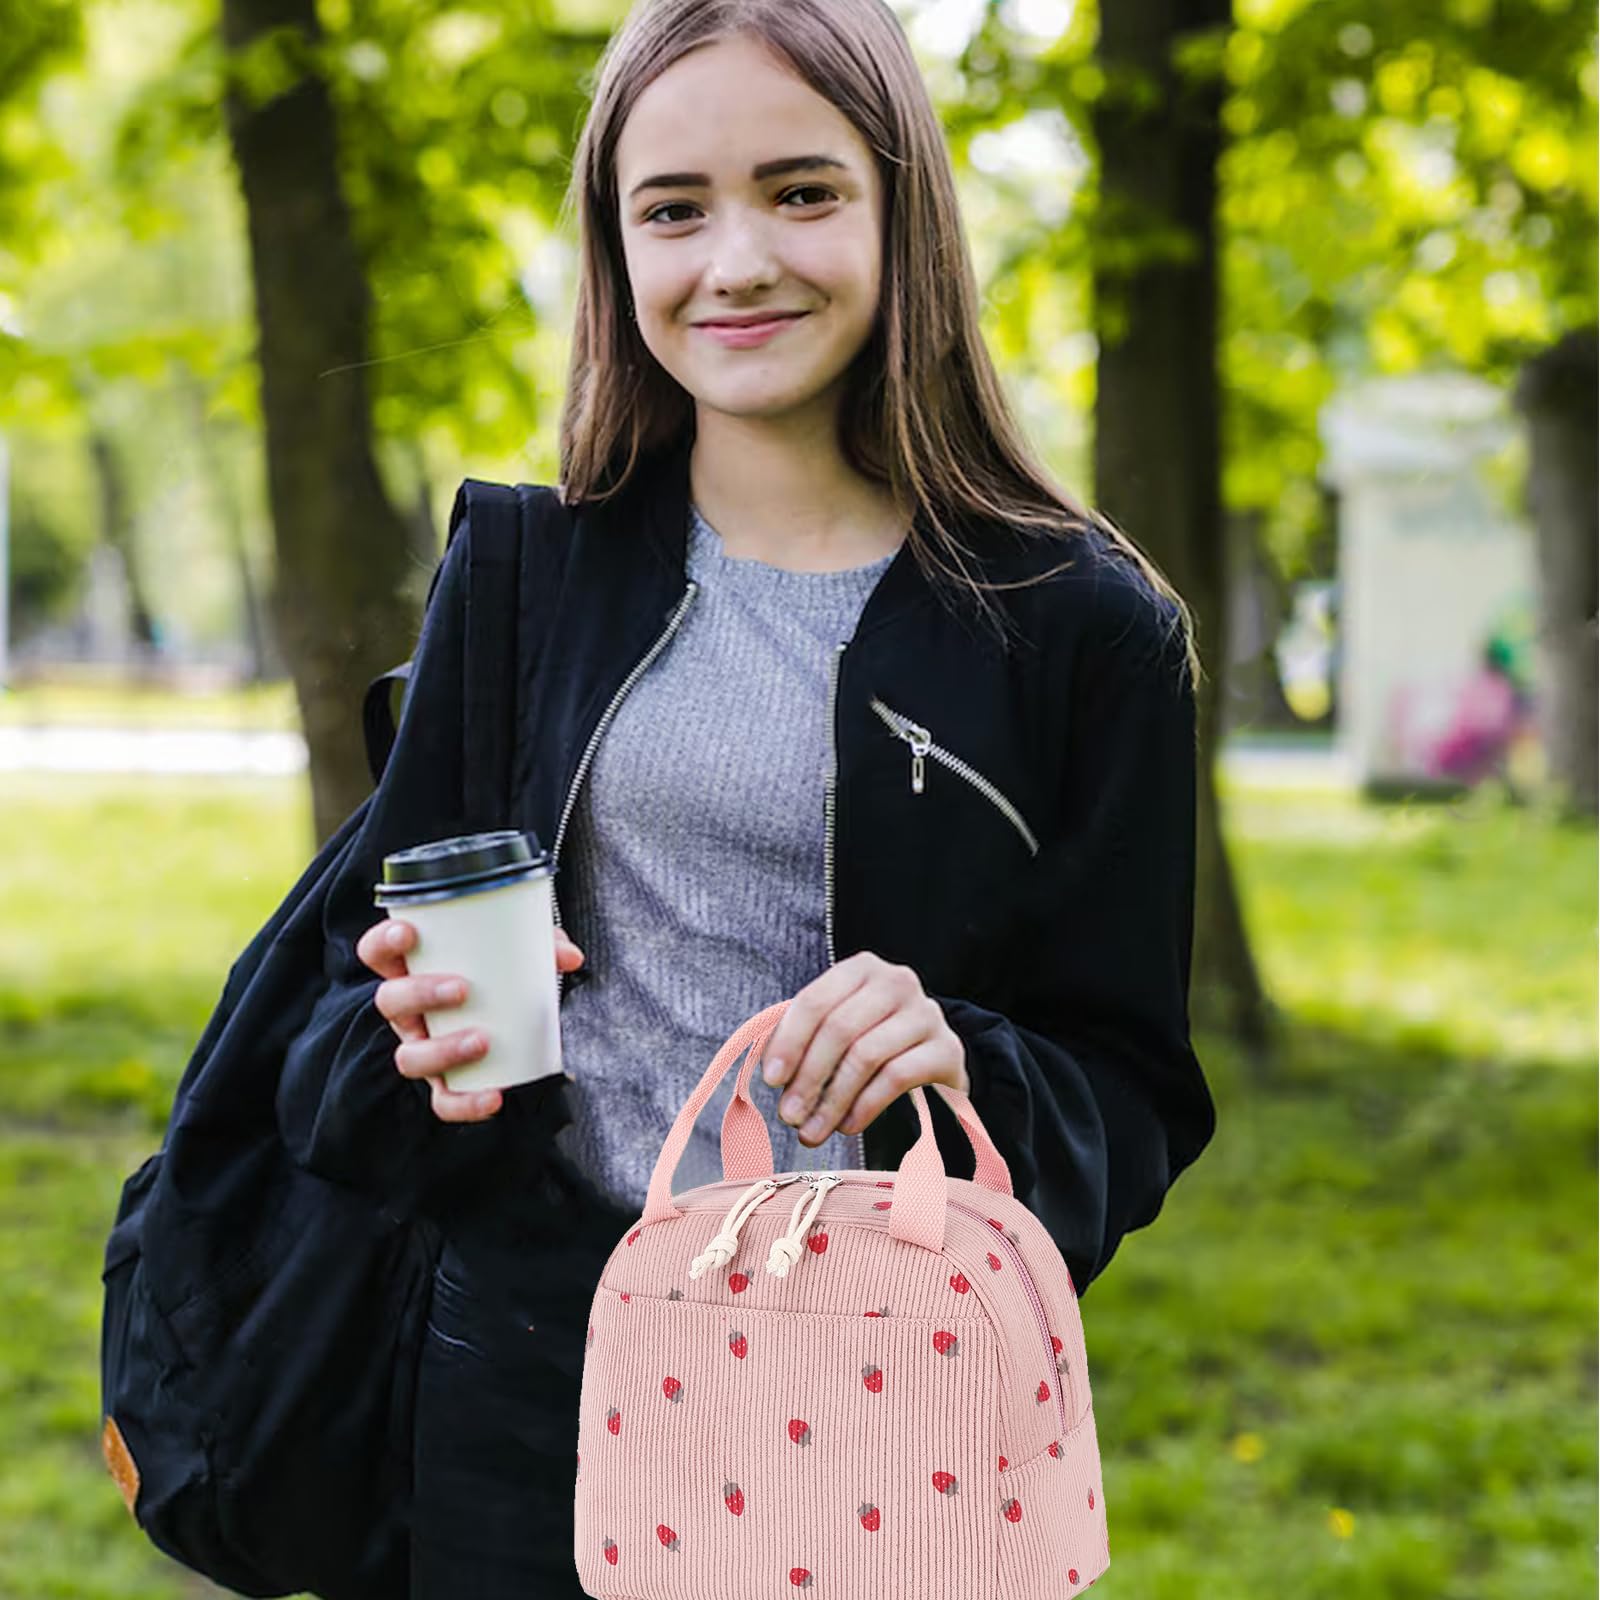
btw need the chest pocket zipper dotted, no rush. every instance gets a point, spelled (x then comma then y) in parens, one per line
(922, 745)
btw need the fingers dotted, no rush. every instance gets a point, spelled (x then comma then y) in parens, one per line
(568, 955)
(384, 945)
(880, 1053)
(403, 1000)
(448, 1106)
(426, 1057)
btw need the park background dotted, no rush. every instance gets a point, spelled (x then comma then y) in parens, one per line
(1356, 1353)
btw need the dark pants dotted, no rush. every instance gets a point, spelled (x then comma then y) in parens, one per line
(497, 1407)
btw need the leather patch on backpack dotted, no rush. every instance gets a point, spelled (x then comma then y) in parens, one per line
(120, 1462)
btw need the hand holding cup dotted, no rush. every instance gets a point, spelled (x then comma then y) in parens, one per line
(403, 998)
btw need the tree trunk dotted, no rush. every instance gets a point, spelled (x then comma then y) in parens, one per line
(1158, 453)
(340, 603)
(260, 654)
(116, 530)
(1557, 395)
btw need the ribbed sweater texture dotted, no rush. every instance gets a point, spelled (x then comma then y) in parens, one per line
(694, 865)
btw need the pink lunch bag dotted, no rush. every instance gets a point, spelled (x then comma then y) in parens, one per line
(865, 1385)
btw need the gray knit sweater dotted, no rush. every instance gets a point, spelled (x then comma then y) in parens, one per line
(693, 865)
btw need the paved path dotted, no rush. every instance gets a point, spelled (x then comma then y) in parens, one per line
(218, 750)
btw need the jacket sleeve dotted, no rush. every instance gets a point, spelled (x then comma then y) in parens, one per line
(345, 1111)
(1091, 1088)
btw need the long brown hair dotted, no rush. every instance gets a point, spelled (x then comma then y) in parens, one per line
(924, 412)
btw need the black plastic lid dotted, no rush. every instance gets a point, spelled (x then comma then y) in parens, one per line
(470, 861)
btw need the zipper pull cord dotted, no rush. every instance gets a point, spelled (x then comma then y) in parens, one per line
(788, 1248)
(720, 1251)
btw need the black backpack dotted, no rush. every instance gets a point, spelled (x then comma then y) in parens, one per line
(262, 1325)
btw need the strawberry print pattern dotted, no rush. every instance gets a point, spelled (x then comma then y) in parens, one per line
(747, 1401)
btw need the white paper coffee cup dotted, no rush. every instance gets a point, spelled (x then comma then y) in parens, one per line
(481, 905)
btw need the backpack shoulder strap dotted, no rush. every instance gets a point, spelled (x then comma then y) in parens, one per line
(491, 513)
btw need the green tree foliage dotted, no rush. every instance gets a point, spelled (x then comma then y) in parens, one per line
(1405, 185)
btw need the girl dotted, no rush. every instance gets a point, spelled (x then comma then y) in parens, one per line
(842, 699)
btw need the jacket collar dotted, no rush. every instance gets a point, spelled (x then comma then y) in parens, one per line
(656, 498)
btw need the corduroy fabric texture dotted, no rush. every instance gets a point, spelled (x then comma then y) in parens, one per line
(884, 1421)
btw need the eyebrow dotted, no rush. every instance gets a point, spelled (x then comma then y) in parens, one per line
(764, 169)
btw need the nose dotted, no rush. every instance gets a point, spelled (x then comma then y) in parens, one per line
(741, 259)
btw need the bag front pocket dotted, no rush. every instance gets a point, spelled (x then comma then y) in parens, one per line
(726, 1451)
(922, 746)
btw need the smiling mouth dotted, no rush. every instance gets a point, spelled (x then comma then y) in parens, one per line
(759, 322)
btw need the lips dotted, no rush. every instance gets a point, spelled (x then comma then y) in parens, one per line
(751, 322)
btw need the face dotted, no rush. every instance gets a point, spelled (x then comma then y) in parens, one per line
(709, 232)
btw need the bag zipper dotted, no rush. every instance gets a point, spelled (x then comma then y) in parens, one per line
(921, 743)
(1033, 1295)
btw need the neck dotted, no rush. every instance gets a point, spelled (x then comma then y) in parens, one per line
(783, 494)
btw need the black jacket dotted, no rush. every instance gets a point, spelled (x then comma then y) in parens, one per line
(1040, 883)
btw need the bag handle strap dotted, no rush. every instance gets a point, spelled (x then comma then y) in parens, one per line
(918, 1214)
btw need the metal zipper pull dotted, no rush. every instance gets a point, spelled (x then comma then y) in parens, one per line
(921, 743)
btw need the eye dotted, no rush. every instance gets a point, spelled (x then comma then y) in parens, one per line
(658, 213)
(809, 188)
(670, 205)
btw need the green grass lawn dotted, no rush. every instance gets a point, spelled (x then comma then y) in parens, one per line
(1355, 1356)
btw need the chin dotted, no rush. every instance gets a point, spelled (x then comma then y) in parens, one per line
(757, 398)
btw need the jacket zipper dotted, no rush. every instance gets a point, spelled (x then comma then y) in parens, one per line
(922, 745)
(594, 739)
(856, 1142)
(1033, 1295)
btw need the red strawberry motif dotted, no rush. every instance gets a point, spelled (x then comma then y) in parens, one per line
(873, 1378)
(613, 1421)
(817, 1242)
(944, 1482)
(945, 1342)
(738, 1344)
(1091, 1499)
(1012, 1510)
(625, 1297)
(610, 1548)
(733, 1498)
(883, 1312)
(1055, 1344)
(1055, 1451)
(672, 1389)
(959, 1283)
(885, 1184)
(1072, 1574)
(738, 1282)
(999, 1227)
(882, 1205)
(994, 1262)
(666, 1536)
(799, 1577)
(799, 1431)
(1002, 1463)
(635, 1234)
(870, 1516)
(1042, 1393)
